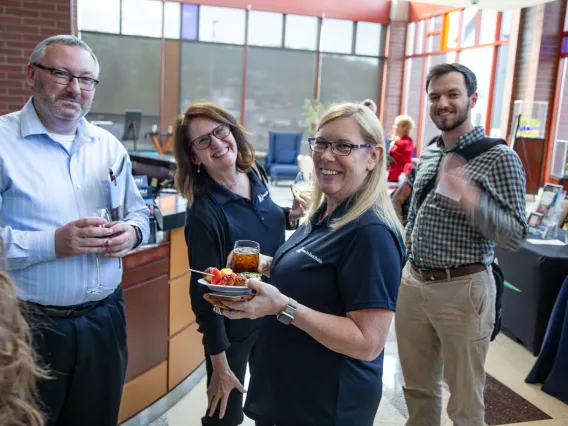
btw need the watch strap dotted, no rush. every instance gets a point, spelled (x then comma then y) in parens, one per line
(288, 314)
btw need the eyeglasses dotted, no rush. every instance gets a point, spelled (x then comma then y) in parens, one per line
(338, 148)
(64, 78)
(204, 141)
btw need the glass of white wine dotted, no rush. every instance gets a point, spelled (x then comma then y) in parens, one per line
(303, 185)
(104, 214)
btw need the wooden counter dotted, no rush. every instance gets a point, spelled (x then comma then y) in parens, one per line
(164, 346)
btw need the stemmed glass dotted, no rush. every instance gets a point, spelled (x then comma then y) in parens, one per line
(104, 214)
(304, 184)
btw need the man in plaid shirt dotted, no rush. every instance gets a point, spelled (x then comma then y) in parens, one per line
(445, 311)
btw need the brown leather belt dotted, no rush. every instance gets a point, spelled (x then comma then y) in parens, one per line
(442, 274)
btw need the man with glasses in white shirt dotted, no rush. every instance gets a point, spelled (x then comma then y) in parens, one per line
(66, 261)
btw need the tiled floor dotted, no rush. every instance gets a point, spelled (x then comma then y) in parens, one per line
(509, 399)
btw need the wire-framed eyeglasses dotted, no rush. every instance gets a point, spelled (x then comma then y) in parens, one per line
(338, 148)
(63, 77)
(204, 141)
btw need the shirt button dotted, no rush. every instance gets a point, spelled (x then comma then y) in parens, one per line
(262, 218)
(78, 186)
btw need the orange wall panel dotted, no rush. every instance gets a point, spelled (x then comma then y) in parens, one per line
(418, 11)
(355, 10)
(185, 355)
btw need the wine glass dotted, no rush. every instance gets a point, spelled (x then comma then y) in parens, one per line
(104, 214)
(304, 184)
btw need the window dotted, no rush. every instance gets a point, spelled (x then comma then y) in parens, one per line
(222, 25)
(350, 78)
(500, 77)
(99, 15)
(130, 79)
(301, 32)
(452, 30)
(172, 17)
(488, 26)
(420, 38)
(468, 27)
(410, 38)
(414, 92)
(479, 61)
(368, 39)
(217, 76)
(564, 48)
(189, 21)
(278, 82)
(142, 17)
(434, 43)
(265, 29)
(506, 19)
(337, 36)
(560, 155)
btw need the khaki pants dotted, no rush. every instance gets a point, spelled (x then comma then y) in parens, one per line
(443, 328)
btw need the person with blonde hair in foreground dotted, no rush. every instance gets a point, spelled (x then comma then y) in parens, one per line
(334, 287)
(18, 370)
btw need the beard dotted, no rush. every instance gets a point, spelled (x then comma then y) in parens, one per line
(50, 103)
(448, 126)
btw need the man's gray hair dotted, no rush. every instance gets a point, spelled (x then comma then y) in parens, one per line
(65, 39)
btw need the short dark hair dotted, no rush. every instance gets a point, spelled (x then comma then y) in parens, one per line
(443, 69)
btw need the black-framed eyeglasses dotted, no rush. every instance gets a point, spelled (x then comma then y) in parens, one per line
(64, 78)
(338, 148)
(204, 141)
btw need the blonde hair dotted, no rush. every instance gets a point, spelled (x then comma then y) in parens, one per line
(406, 122)
(373, 193)
(18, 369)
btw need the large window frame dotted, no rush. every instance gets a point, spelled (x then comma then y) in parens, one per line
(318, 51)
(426, 40)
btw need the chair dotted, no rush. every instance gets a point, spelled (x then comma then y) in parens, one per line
(282, 159)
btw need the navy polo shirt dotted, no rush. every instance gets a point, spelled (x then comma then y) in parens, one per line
(296, 380)
(216, 220)
(258, 219)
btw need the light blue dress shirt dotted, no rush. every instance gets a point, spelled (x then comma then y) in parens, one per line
(42, 188)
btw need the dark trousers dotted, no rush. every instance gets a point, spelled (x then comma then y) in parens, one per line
(238, 355)
(86, 358)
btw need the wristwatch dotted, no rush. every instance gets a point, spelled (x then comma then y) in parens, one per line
(287, 315)
(138, 235)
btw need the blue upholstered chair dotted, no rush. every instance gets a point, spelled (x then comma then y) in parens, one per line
(282, 159)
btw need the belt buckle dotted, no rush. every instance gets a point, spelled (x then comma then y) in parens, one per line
(427, 275)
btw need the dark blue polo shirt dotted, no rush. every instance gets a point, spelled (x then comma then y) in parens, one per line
(216, 220)
(295, 380)
(258, 219)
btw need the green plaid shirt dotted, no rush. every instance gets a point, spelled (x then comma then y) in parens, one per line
(439, 236)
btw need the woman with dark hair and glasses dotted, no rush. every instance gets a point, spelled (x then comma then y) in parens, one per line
(228, 200)
(334, 288)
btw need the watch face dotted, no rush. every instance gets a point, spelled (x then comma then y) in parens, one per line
(285, 318)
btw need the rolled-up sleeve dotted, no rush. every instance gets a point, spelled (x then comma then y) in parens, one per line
(500, 214)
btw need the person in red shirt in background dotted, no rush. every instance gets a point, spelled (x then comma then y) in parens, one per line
(402, 146)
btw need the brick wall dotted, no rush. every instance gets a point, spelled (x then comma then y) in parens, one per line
(23, 24)
(395, 73)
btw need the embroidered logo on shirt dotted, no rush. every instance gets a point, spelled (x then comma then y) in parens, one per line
(262, 197)
(313, 256)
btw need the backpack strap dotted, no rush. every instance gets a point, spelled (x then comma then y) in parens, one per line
(468, 152)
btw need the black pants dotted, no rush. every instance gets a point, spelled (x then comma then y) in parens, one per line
(86, 358)
(238, 355)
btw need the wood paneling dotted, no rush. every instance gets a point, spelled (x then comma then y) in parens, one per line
(179, 263)
(135, 276)
(145, 256)
(358, 10)
(185, 355)
(147, 324)
(533, 161)
(181, 314)
(143, 391)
